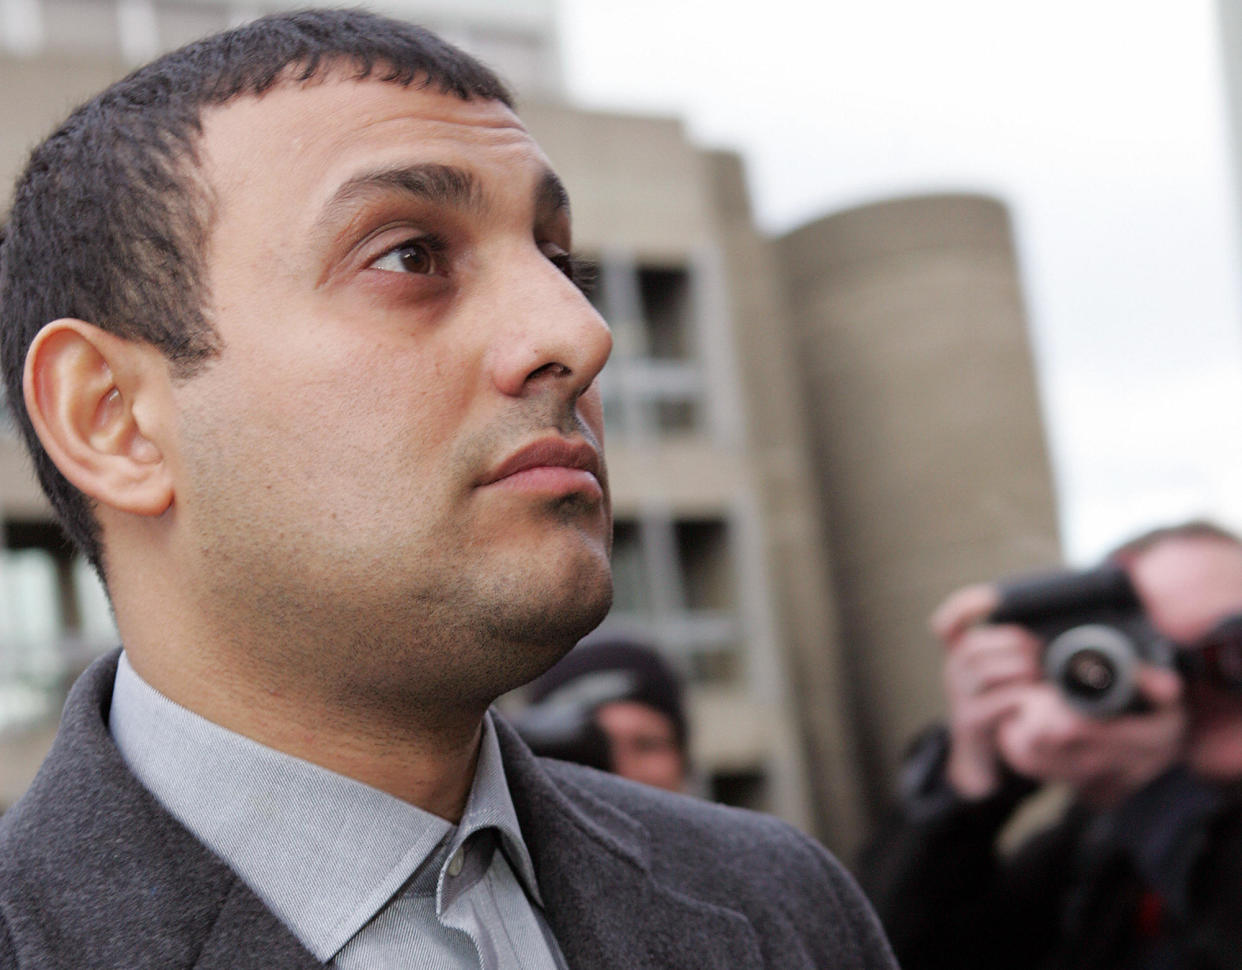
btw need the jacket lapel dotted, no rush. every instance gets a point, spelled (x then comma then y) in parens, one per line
(605, 906)
(246, 936)
(129, 885)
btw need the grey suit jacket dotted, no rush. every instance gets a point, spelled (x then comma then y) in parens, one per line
(94, 873)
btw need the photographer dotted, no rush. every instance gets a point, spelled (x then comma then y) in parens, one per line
(1142, 869)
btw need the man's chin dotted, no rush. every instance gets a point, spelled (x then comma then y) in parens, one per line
(527, 642)
(568, 613)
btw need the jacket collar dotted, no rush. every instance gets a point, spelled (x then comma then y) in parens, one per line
(607, 906)
(130, 885)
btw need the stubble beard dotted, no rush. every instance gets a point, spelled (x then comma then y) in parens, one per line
(457, 650)
(478, 623)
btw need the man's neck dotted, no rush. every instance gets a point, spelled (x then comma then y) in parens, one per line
(426, 758)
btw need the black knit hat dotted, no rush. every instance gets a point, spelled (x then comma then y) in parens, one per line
(615, 670)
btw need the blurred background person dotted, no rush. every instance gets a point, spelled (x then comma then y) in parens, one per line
(615, 705)
(1144, 867)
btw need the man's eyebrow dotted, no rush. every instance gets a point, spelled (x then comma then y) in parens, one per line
(550, 197)
(442, 185)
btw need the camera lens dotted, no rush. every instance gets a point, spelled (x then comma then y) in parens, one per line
(1089, 673)
(1094, 665)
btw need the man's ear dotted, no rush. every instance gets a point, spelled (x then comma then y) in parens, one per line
(93, 399)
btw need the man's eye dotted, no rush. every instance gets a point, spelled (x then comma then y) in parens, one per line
(418, 257)
(562, 261)
(580, 272)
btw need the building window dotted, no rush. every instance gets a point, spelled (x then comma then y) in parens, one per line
(677, 414)
(744, 789)
(629, 586)
(54, 619)
(654, 383)
(30, 613)
(707, 576)
(673, 583)
(96, 624)
(666, 311)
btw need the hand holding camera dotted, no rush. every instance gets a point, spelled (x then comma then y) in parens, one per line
(1095, 631)
(988, 672)
(1060, 678)
(1103, 759)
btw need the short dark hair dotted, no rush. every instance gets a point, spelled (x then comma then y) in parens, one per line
(110, 218)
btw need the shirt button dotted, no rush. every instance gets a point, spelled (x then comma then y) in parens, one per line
(458, 860)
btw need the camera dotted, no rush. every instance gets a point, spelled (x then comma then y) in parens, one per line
(1095, 632)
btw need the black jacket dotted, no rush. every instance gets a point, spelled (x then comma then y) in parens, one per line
(1155, 884)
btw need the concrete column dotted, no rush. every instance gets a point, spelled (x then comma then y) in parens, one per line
(931, 461)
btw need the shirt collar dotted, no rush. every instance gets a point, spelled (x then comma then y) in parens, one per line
(323, 852)
(491, 806)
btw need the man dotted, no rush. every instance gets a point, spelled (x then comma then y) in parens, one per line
(615, 705)
(1142, 869)
(304, 369)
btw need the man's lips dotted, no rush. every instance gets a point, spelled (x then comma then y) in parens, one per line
(550, 465)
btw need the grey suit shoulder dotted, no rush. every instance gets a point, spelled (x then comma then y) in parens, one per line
(801, 908)
(94, 873)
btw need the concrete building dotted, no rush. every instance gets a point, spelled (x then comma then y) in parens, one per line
(517, 37)
(811, 439)
(928, 441)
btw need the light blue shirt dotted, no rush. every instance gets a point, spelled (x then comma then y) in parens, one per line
(361, 878)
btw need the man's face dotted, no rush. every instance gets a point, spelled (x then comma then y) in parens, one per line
(643, 744)
(1188, 585)
(392, 475)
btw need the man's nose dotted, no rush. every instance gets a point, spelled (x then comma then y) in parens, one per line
(550, 337)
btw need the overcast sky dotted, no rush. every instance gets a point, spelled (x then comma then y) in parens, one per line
(1100, 122)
